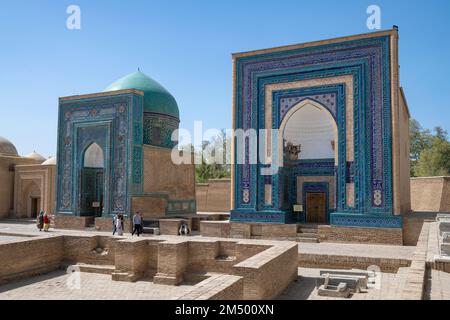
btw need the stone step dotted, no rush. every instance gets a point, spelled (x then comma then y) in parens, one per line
(308, 230)
(123, 276)
(95, 268)
(307, 235)
(308, 240)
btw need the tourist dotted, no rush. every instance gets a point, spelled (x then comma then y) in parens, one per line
(46, 222)
(184, 229)
(119, 225)
(137, 221)
(40, 221)
(142, 223)
(114, 220)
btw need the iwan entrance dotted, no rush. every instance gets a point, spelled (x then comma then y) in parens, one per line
(92, 182)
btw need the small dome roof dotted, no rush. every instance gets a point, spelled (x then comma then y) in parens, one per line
(156, 98)
(7, 148)
(49, 161)
(35, 156)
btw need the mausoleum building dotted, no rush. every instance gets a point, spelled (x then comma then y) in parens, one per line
(343, 134)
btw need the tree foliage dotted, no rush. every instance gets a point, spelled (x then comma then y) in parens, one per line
(430, 152)
(214, 159)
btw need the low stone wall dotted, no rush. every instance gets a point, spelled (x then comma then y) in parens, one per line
(172, 262)
(332, 261)
(220, 229)
(171, 226)
(415, 280)
(268, 273)
(248, 269)
(217, 287)
(392, 236)
(412, 226)
(30, 257)
(214, 196)
(430, 194)
(98, 250)
(105, 224)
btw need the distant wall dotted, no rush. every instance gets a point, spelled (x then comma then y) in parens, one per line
(430, 194)
(214, 196)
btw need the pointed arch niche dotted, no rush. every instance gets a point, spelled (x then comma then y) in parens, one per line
(312, 127)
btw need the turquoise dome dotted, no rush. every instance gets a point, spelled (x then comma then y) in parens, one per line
(156, 98)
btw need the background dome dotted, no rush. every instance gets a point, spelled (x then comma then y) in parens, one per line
(49, 161)
(35, 156)
(7, 148)
(156, 98)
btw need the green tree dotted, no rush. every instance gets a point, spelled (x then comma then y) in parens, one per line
(420, 140)
(434, 161)
(215, 161)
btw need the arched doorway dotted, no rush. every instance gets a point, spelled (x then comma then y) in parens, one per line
(32, 200)
(309, 151)
(92, 181)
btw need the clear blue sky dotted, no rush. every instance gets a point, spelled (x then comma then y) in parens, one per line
(187, 46)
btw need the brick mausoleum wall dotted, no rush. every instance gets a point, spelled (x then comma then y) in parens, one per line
(33, 256)
(392, 236)
(161, 175)
(214, 196)
(150, 207)
(7, 182)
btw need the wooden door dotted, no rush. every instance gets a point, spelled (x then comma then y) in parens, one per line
(316, 207)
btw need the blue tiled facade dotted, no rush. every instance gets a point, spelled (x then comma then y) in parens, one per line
(368, 62)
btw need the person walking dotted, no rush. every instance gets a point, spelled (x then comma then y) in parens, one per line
(114, 221)
(46, 222)
(137, 220)
(40, 221)
(119, 225)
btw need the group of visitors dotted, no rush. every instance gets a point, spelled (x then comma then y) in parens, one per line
(118, 224)
(43, 221)
(138, 227)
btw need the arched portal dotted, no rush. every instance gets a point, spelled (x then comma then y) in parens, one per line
(92, 181)
(32, 197)
(308, 149)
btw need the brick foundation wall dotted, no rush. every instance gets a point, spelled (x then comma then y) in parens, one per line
(217, 287)
(72, 222)
(83, 249)
(412, 226)
(105, 224)
(361, 235)
(170, 226)
(172, 262)
(219, 229)
(26, 258)
(268, 273)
